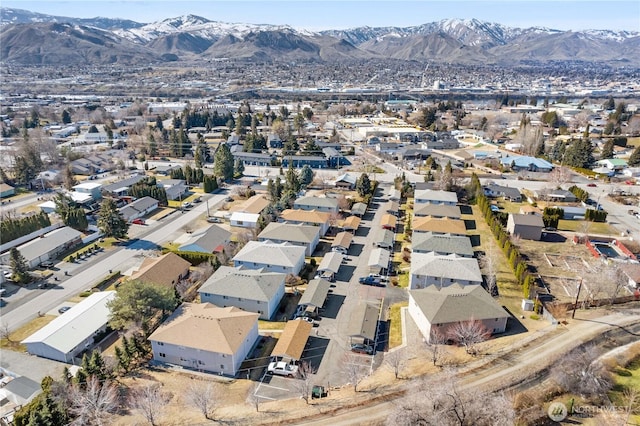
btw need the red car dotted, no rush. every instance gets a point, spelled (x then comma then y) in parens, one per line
(138, 221)
(592, 185)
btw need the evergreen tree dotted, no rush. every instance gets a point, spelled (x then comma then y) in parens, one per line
(634, 159)
(607, 150)
(19, 266)
(363, 185)
(579, 154)
(3, 176)
(153, 146)
(66, 117)
(306, 175)
(110, 221)
(292, 182)
(238, 169)
(159, 124)
(68, 179)
(223, 164)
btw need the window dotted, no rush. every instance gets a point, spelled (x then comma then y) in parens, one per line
(160, 343)
(225, 297)
(200, 362)
(240, 223)
(162, 354)
(221, 366)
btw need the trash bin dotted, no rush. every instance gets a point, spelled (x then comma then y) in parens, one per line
(318, 392)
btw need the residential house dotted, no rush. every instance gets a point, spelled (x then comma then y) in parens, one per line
(342, 242)
(255, 204)
(175, 188)
(274, 141)
(351, 223)
(523, 163)
(93, 189)
(255, 158)
(437, 211)
(435, 196)
(6, 190)
(439, 226)
(299, 235)
(506, 192)
(322, 204)
(244, 220)
(121, 187)
(252, 290)
(298, 161)
(346, 181)
(359, 209)
(335, 157)
(527, 226)
(441, 244)
(47, 247)
(166, 270)
(560, 195)
(285, 257)
(431, 269)
(438, 309)
(138, 208)
(211, 239)
(68, 335)
(616, 164)
(319, 219)
(204, 337)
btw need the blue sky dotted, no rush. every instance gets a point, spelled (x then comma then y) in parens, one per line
(316, 15)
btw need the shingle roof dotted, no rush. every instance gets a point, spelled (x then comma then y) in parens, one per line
(267, 252)
(255, 204)
(206, 327)
(208, 238)
(316, 201)
(359, 209)
(51, 240)
(446, 267)
(162, 270)
(293, 339)
(125, 183)
(379, 257)
(527, 220)
(309, 216)
(343, 239)
(352, 222)
(81, 321)
(444, 225)
(436, 210)
(331, 262)
(364, 321)
(436, 195)
(456, 303)
(254, 284)
(441, 243)
(289, 232)
(316, 293)
(384, 236)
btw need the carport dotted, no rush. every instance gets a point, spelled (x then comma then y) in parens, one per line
(315, 294)
(330, 264)
(351, 223)
(364, 323)
(384, 238)
(379, 261)
(388, 221)
(393, 208)
(292, 341)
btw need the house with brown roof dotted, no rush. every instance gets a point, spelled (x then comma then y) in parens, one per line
(255, 205)
(436, 210)
(307, 217)
(351, 223)
(439, 225)
(167, 270)
(204, 337)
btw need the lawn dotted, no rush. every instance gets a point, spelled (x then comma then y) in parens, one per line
(395, 328)
(13, 342)
(271, 325)
(594, 227)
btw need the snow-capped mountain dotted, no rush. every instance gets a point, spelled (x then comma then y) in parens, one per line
(189, 36)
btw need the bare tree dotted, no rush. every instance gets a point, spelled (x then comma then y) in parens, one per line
(468, 334)
(489, 263)
(203, 396)
(151, 401)
(559, 176)
(558, 310)
(436, 345)
(304, 377)
(93, 404)
(631, 396)
(5, 332)
(395, 360)
(353, 370)
(581, 372)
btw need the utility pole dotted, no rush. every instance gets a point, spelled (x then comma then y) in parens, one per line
(575, 305)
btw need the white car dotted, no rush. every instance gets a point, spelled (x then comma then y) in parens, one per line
(282, 369)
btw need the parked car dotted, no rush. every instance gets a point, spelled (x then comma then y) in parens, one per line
(282, 368)
(197, 199)
(379, 277)
(362, 349)
(591, 185)
(138, 221)
(187, 205)
(213, 219)
(64, 309)
(494, 208)
(47, 264)
(371, 281)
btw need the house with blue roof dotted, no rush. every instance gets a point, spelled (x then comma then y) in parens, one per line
(531, 164)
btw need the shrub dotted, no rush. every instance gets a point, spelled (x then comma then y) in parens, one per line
(85, 293)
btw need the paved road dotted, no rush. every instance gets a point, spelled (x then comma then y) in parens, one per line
(497, 372)
(119, 259)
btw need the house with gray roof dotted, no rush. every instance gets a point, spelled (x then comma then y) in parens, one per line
(527, 226)
(273, 257)
(330, 265)
(47, 247)
(211, 239)
(315, 295)
(138, 208)
(384, 238)
(436, 310)
(363, 324)
(441, 244)
(359, 209)
(322, 204)
(438, 211)
(175, 188)
(435, 196)
(300, 235)
(442, 271)
(121, 187)
(252, 290)
(506, 192)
